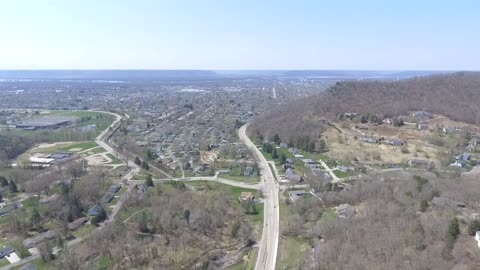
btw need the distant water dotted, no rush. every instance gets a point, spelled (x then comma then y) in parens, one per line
(124, 76)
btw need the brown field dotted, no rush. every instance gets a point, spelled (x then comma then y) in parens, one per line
(344, 146)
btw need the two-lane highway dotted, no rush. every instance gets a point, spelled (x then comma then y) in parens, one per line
(267, 253)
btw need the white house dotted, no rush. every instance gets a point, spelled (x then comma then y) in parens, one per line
(477, 237)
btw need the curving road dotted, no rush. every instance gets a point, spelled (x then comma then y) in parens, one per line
(267, 253)
(135, 169)
(207, 178)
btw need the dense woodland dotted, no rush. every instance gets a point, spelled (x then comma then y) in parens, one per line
(454, 95)
(396, 225)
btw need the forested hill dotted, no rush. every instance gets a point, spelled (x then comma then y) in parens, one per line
(455, 95)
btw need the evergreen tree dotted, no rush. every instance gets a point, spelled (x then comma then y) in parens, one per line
(473, 227)
(274, 153)
(282, 158)
(3, 181)
(322, 147)
(423, 206)
(101, 216)
(36, 218)
(142, 223)
(149, 180)
(13, 187)
(138, 161)
(186, 216)
(454, 229)
(151, 155)
(145, 165)
(290, 143)
(276, 139)
(311, 147)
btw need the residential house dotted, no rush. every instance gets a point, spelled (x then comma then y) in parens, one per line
(293, 151)
(94, 210)
(223, 172)
(107, 198)
(421, 115)
(199, 169)
(418, 162)
(29, 266)
(395, 142)
(464, 157)
(77, 224)
(39, 238)
(298, 157)
(307, 162)
(322, 174)
(283, 145)
(449, 130)
(387, 121)
(345, 211)
(422, 126)
(114, 188)
(7, 209)
(296, 194)
(289, 171)
(473, 144)
(368, 139)
(5, 251)
(248, 171)
(294, 177)
(343, 168)
(246, 196)
(459, 163)
(361, 127)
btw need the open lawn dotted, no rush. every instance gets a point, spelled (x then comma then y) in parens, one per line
(84, 231)
(66, 147)
(248, 261)
(101, 120)
(38, 263)
(291, 252)
(245, 179)
(340, 174)
(4, 262)
(329, 216)
(115, 160)
(96, 150)
(234, 192)
(102, 263)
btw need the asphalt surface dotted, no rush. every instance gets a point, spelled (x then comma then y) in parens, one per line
(267, 253)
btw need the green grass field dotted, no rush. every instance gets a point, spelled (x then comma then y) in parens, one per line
(247, 264)
(4, 262)
(245, 179)
(96, 150)
(67, 147)
(233, 192)
(291, 253)
(115, 160)
(84, 230)
(340, 174)
(38, 263)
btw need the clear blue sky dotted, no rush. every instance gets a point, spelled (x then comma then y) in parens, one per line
(240, 34)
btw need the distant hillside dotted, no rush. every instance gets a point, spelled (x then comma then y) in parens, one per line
(454, 95)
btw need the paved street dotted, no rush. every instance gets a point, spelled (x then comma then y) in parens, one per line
(267, 253)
